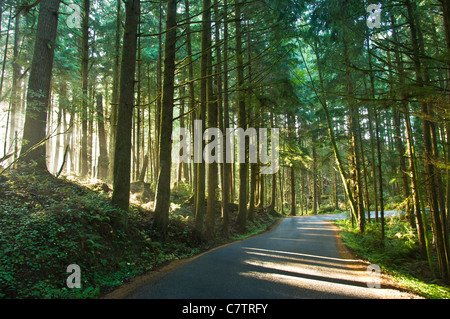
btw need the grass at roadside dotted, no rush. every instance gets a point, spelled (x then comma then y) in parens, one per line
(398, 256)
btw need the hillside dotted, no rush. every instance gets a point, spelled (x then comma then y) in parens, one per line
(47, 224)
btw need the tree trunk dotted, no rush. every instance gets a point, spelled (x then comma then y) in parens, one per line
(431, 171)
(242, 121)
(137, 122)
(224, 116)
(103, 162)
(314, 174)
(15, 84)
(122, 155)
(191, 89)
(201, 168)
(291, 129)
(380, 176)
(354, 129)
(39, 84)
(5, 52)
(58, 138)
(212, 123)
(84, 88)
(403, 171)
(162, 204)
(159, 92)
(415, 200)
(337, 155)
(446, 15)
(115, 90)
(377, 137)
(274, 176)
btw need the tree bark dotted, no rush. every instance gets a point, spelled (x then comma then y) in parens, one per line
(212, 123)
(122, 155)
(201, 168)
(103, 162)
(191, 88)
(242, 121)
(410, 151)
(274, 176)
(39, 84)
(337, 155)
(222, 84)
(431, 171)
(84, 88)
(377, 138)
(162, 204)
(115, 90)
(15, 84)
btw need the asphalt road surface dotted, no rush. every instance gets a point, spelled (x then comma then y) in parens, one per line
(301, 258)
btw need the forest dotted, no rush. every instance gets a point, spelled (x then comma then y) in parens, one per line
(119, 122)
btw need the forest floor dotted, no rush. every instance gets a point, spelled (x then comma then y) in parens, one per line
(48, 223)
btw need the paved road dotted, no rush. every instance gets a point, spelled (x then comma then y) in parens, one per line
(301, 258)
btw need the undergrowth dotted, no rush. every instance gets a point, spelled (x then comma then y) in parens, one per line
(47, 224)
(398, 255)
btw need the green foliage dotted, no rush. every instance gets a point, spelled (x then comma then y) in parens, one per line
(397, 256)
(262, 221)
(180, 193)
(399, 246)
(47, 224)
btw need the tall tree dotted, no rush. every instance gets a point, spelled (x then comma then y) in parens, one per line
(38, 93)
(162, 203)
(84, 89)
(242, 119)
(122, 155)
(432, 172)
(14, 103)
(226, 167)
(103, 162)
(201, 168)
(212, 124)
(115, 89)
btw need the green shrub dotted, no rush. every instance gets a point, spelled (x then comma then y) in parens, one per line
(398, 255)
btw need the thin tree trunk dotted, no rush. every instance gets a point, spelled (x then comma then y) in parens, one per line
(5, 53)
(15, 84)
(274, 176)
(342, 172)
(201, 168)
(314, 174)
(354, 124)
(84, 89)
(103, 162)
(212, 123)
(191, 89)
(57, 139)
(242, 121)
(224, 119)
